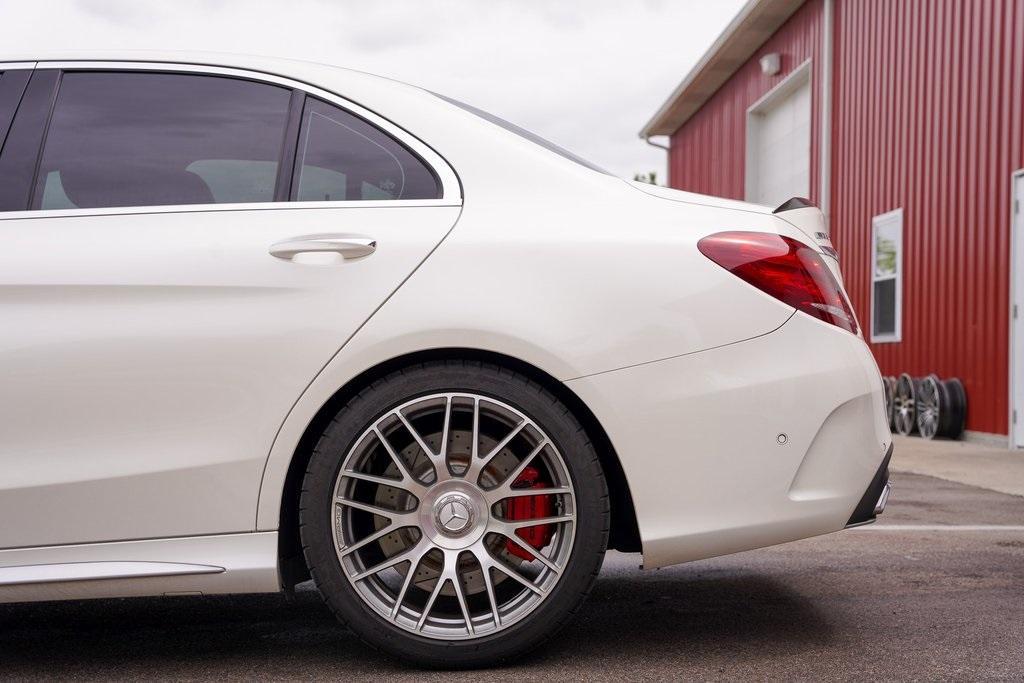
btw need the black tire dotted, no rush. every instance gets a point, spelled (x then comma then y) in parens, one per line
(957, 414)
(581, 461)
(889, 388)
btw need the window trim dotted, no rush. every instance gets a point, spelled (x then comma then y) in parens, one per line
(451, 189)
(289, 147)
(897, 334)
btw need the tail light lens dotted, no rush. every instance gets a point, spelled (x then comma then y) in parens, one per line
(785, 268)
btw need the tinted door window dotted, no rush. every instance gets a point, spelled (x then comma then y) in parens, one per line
(12, 86)
(150, 139)
(343, 158)
(24, 138)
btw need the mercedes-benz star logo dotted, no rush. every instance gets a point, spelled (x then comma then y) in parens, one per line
(454, 514)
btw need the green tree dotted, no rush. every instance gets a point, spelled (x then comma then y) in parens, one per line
(650, 177)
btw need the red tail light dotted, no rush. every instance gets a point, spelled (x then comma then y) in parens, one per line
(786, 269)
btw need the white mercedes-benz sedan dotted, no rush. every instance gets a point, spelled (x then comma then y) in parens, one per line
(267, 321)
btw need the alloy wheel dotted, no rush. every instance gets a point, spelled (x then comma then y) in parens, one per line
(905, 405)
(930, 406)
(453, 516)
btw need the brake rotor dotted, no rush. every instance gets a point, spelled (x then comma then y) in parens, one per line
(460, 451)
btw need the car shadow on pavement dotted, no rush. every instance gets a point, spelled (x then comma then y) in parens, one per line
(733, 613)
(628, 613)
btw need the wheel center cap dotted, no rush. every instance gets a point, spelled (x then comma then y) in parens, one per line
(454, 514)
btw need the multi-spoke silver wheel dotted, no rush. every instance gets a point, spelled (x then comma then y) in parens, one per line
(453, 516)
(930, 406)
(941, 407)
(905, 404)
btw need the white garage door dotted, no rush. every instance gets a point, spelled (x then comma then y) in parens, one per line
(779, 142)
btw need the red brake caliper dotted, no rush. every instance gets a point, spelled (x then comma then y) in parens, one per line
(529, 507)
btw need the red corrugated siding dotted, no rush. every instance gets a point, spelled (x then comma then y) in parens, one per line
(708, 153)
(927, 116)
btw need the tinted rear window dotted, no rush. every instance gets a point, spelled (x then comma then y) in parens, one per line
(343, 158)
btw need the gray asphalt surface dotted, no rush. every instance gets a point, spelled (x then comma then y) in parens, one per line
(869, 604)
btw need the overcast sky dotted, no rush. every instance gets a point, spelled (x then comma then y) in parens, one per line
(587, 74)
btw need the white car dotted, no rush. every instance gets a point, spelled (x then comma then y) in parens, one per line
(265, 321)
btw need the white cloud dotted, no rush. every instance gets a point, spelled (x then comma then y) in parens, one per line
(587, 74)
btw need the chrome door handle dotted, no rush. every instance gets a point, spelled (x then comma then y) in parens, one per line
(349, 246)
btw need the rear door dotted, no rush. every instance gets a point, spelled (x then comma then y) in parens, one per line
(164, 305)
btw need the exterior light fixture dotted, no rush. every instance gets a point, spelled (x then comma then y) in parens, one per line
(771, 63)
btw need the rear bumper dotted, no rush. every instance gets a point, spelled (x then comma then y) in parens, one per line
(756, 443)
(873, 502)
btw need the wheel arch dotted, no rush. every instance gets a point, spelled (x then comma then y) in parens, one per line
(624, 534)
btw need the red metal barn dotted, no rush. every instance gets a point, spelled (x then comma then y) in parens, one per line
(904, 121)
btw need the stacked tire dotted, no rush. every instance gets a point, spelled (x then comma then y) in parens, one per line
(889, 389)
(904, 405)
(927, 406)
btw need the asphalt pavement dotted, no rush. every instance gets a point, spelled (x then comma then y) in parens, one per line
(935, 590)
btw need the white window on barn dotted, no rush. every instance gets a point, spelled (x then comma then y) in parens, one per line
(887, 276)
(779, 141)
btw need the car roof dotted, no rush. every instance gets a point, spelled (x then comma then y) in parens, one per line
(317, 74)
(468, 141)
(281, 66)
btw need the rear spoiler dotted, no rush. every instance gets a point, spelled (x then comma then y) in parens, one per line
(795, 203)
(808, 219)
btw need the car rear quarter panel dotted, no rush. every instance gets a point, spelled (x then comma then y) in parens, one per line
(572, 282)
